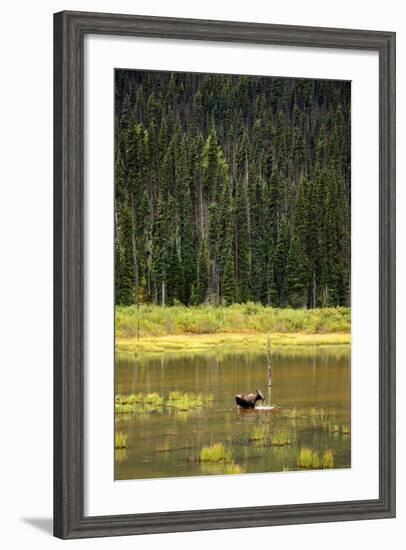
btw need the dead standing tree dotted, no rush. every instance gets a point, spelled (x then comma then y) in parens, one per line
(269, 366)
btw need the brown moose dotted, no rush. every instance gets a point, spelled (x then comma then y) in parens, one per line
(248, 400)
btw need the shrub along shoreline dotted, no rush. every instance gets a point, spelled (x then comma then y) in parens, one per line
(199, 328)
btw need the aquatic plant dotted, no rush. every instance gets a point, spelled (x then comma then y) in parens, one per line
(154, 399)
(259, 433)
(137, 403)
(305, 459)
(188, 400)
(315, 460)
(120, 440)
(129, 399)
(154, 402)
(281, 439)
(216, 452)
(310, 459)
(327, 460)
(175, 395)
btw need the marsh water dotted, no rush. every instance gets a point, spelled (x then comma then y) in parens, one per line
(309, 403)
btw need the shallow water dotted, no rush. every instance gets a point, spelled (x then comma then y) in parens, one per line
(310, 401)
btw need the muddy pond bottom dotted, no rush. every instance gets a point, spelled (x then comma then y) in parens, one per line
(176, 415)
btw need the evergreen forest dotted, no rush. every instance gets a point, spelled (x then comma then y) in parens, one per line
(231, 189)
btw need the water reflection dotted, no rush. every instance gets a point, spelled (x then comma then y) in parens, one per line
(310, 408)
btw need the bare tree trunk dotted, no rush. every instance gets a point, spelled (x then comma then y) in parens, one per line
(268, 359)
(136, 268)
(163, 292)
(269, 365)
(314, 289)
(149, 275)
(137, 292)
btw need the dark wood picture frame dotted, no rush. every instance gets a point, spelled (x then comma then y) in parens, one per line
(69, 31)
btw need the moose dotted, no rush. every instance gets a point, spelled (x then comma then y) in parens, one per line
(248, 400)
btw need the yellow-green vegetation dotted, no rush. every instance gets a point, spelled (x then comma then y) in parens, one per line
(141, 403)
(227, 342)
(195, 329)
(218, 459)
(188, 400)
(248, 318)
(345, 429)
(216, 452)
(310, 459)
(259, 433)
(154, 399)
(138, 403)
(280, 439)
(305, 459)
(316, 464)
(328, 459)
(121, 440)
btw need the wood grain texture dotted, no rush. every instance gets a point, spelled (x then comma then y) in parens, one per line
(69, 30)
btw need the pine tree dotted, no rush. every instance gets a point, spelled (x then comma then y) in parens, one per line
(232, 188)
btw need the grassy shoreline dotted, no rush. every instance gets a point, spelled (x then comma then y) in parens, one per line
(238, 327)
(188, 343)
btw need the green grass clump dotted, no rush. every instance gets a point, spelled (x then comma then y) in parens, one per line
(327, 460)
(154, 399)
(120, 440)
(310, 459)
(188, 401)
(217, 459)
(316, 461)
(129, 399)
(141, 403)
(259, 433)
(345, 429)
(305, 459)
(216, 452)
(127, 404)
(175, 395)
(281, 439)
(138, 403)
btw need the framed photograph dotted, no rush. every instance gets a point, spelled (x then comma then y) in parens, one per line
(224, 274)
